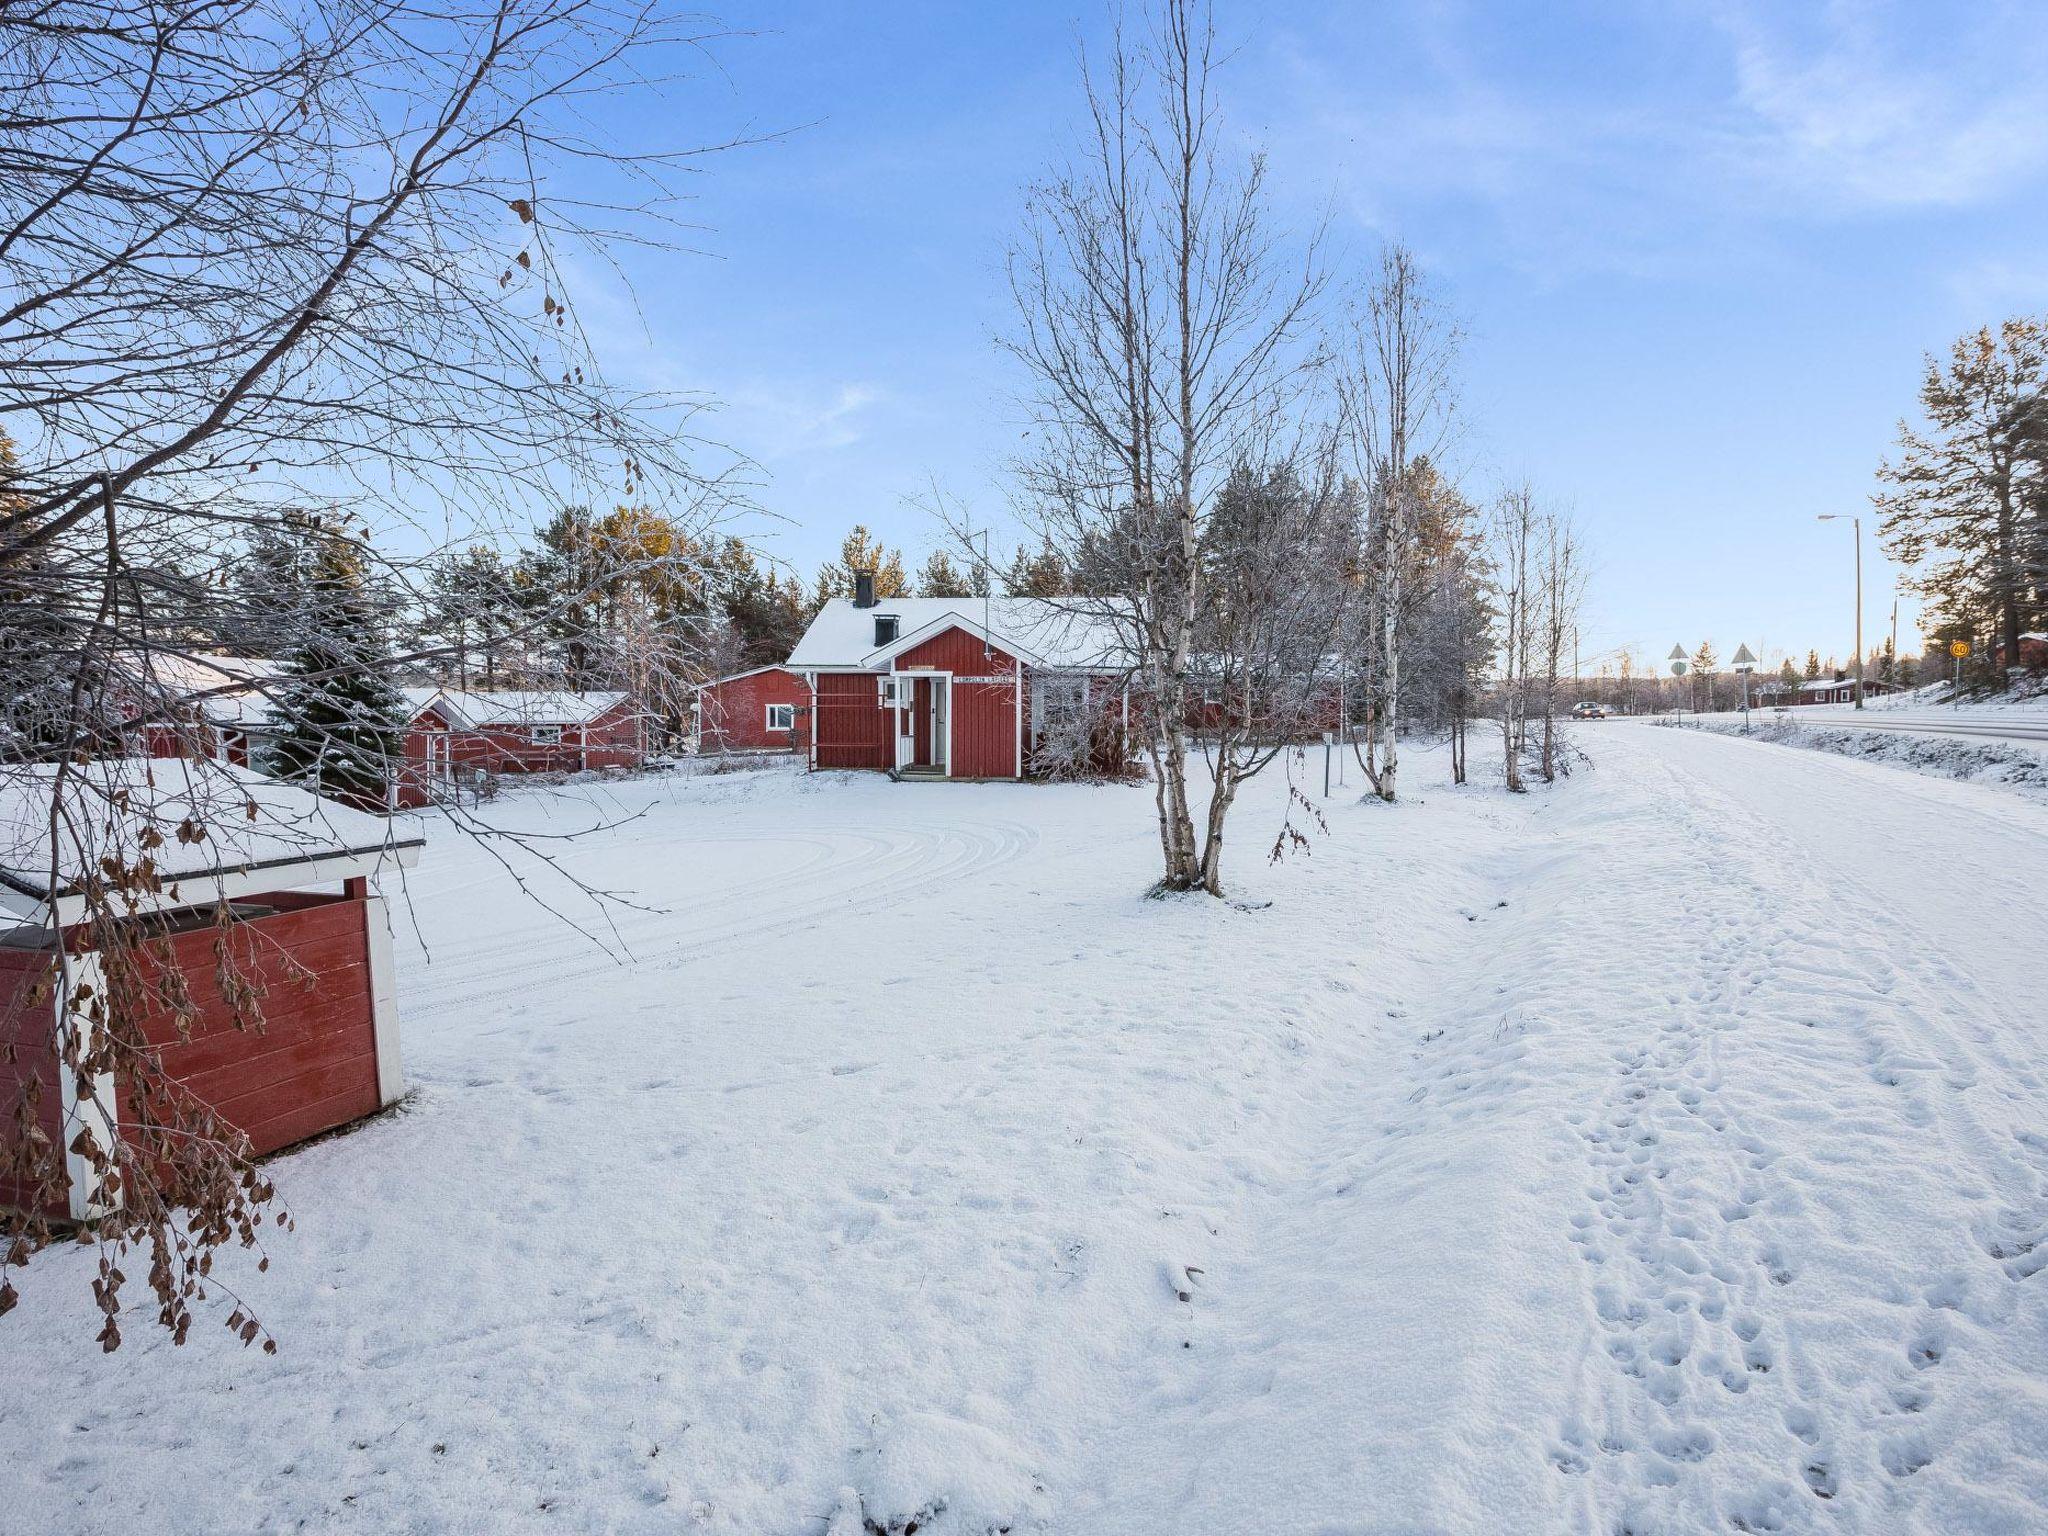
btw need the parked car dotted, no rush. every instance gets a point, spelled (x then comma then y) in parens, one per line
(1587, 710)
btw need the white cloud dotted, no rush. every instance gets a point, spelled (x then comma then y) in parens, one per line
(780, 420)
(1872, 114)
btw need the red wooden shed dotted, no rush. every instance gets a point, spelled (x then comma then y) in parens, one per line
(281, 883)
(766, 709)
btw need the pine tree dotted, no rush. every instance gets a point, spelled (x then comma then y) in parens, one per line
(861, 551)
(940, 577)
(470, 607)
(1043, 574)
(1812, 665)
(338, 721)
(1966, 489)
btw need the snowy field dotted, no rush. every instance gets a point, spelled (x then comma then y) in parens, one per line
(1666, 1152)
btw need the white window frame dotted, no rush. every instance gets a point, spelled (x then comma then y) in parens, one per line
(788, 713)
(547, 735)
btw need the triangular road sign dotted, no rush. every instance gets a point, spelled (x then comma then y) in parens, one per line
(1677, 653)
(1743, 658)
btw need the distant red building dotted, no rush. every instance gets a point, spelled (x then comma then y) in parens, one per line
(2033, 653)
(767, 709)
(454, 732)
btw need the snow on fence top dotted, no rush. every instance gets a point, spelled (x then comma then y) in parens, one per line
(223, 831)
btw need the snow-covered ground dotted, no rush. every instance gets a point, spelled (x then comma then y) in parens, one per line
(1664, 1152)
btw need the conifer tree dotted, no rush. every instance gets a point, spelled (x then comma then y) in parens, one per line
(1966, 504)
(1044, 574)
(861, 551)
(940, 577)
(338, 719)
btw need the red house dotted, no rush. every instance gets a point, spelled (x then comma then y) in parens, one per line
(292, 873)
(2033, 652)
(766, 709)
(453, 733)
(943, 687)
(198, 705)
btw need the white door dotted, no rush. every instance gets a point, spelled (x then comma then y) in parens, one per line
(942, 724)
(906, 722)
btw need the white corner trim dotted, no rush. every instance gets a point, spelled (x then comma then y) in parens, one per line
(1019, 688)
(383, 999)
(95, 1110)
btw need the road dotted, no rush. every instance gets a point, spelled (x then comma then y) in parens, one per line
(2009, 725)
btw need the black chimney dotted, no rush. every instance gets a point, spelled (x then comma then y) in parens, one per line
(863, 589)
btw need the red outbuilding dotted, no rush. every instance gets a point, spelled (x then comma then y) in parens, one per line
(2033, 652)
(767, 709)
(280, 885)
(455, 732)
(959, 688)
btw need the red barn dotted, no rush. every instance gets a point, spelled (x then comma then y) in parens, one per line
(767, 709)
(292, 874)
(961, 688)
(454, 731)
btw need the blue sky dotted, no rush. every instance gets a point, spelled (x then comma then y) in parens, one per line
(1699, 248)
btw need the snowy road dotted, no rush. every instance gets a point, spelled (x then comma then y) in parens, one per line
(2022, 727)
(1666, 1152)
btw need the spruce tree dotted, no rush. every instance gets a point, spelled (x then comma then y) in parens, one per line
(338, 722)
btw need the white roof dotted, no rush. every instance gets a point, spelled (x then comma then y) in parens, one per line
(252, 823)
(1820, 683)
(471, 709)
(227, 690)
(1046, 632)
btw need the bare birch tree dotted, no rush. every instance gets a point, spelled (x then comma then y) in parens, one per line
(1163, 330)
(1513, 534)
(1399, 397)
(1561, 583)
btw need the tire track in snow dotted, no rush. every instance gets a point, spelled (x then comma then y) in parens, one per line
(883, 865)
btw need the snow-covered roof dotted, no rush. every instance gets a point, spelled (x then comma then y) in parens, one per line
(227, 690)
(1820, 683)
(733, 677)
(1046, 632)
(471, 709)
(251, 823)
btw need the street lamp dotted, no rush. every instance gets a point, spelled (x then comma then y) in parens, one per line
(1829, 517)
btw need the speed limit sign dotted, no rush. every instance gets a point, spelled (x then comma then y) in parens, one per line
(1959, 649)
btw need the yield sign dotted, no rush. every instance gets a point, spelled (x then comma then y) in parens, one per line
(1743, 660)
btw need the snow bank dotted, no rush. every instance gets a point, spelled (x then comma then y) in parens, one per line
(1949, 757)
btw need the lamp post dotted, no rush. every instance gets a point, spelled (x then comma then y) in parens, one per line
(1829, 517)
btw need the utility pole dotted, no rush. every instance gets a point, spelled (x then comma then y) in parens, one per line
(1829, 517)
